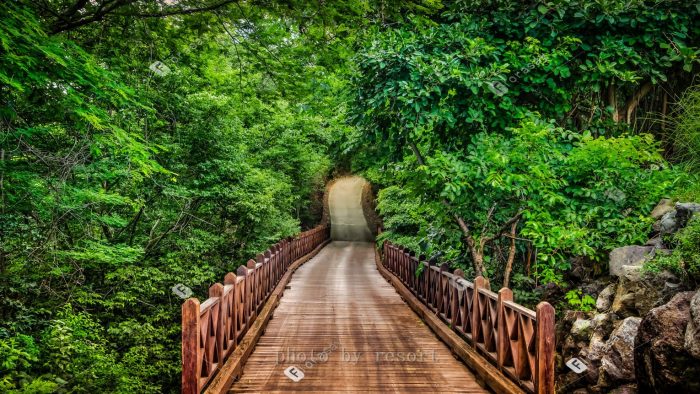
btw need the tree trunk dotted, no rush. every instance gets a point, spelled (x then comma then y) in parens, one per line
(631, 104)
(612, 101)
(511, 255)
(477, 253)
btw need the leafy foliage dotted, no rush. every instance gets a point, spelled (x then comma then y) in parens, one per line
(499, 131)
(580, 302)
(516, 126)
(578, 195)
(118, 182)
(684, 261)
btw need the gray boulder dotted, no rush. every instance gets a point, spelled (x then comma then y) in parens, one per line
(581, 329)
(629, 255)
(663, 207)
(688, 207)
(605, 298)
(617, 365)
(674, 220)
(604, 323)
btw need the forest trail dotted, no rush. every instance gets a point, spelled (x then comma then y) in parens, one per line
(338, 324)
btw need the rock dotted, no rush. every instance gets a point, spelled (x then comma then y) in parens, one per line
(638, 296)
(692, 339)
(668, 224)
(596, 349)
(617, 365)
(569, 381)
(692, 330)
(689, 207)
(632, 272)
(626, 389)
(570, 345)
(663, 207)
(581, 329)
(597, 346)
(625, 297)
(695, 309)
(603, 324)
(676, 219)
(656, 242)
(662, 364)
(629, 255)
(605, 298)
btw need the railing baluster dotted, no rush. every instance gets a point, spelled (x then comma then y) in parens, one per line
(217, 291)
(505, 294)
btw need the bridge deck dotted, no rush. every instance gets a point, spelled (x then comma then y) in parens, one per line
(347, 330)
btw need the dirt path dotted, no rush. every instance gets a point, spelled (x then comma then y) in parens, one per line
(345, 203)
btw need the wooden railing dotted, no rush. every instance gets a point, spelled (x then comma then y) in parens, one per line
(211, 331)
(517, 340)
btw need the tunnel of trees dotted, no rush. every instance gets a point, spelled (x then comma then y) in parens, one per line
(145, 144)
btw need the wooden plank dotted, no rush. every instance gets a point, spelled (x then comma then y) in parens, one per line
(338, 299)
(234, 364)
(484, 370)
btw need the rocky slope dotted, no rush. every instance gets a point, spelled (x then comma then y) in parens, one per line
(644, 335)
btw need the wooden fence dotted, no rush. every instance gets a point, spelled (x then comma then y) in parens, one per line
(517, 340)
(212, 330)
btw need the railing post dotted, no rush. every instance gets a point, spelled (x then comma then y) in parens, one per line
(387, 255)
(544, 380)
(267, 262)
(405, 257)
(430, 291)
(191, 362)
(502, 341)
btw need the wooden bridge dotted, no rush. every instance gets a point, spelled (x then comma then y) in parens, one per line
(359, 318)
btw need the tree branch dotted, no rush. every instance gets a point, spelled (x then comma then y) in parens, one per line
(181, 11)
(107, 8)
(511, 255)
(632, 103)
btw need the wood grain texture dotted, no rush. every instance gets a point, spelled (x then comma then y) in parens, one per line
(348, 330)
(233, 367)
(485, 372)
(519, 342)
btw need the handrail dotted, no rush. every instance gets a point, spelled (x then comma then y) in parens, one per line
(212, 330)
(517, 340)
